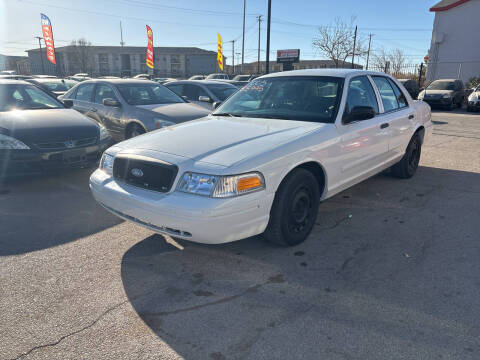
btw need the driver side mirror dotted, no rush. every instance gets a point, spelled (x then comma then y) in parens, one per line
(217, 104)
(68, 103)
(359, 113)
(111, 102)
(204, 99)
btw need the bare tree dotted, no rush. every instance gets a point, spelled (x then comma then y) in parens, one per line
(392, 62)
(336, 41)
(81, 56)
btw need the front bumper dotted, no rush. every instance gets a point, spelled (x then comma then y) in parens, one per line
(15, 163)
(474, 105)
(186, 216)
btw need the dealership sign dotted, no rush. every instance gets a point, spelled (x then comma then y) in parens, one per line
(288, 56)
(48, 38)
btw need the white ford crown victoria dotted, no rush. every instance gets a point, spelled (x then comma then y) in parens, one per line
(263, 161)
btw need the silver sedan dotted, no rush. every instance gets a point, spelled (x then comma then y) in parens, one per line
(128, 108)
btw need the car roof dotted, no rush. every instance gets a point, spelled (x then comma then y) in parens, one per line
(342, 73)
(202, 82)
(13, 81)
(119, 81)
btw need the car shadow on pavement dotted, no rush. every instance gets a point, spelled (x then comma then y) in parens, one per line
(39, 212)
(390, 269)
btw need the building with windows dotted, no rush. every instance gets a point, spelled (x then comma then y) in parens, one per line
(124, 61)
(19, 64)
(455, 47)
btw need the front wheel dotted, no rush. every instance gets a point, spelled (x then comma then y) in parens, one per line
(407, 167)
(294, 210)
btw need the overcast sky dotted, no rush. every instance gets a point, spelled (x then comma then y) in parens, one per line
(402, 24)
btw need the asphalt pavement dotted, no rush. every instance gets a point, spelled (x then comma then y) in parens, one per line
(391, 271)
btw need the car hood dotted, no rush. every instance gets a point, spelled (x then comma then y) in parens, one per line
(177, 113)
(49, 125)
(222, 140)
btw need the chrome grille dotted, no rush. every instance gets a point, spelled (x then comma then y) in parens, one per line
(67, 144)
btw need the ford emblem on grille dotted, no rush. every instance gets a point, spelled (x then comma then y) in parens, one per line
(69, 144)
(136, 172)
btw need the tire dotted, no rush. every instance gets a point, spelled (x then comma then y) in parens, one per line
(134, 130)
(407, 167)
(294, 210)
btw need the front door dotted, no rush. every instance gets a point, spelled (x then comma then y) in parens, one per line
(109, 116)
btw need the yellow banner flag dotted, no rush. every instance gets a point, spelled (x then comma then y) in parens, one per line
(220, 52)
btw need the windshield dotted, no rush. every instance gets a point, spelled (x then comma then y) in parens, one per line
(148, 94)
(222, 91)
(442, 85)
(64, 85)
(241, 78)
(25, 97)
(301, 98)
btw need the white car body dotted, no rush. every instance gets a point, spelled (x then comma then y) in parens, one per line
(347, 154)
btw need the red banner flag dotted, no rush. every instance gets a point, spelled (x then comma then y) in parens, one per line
(150, 47)
(48, 38)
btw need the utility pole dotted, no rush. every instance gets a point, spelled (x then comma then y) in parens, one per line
(368, 53)
(122, 43)
(267, 65)
(259, 18)
(233, 57)
(354, 46)
(243, 37)
(41, 55)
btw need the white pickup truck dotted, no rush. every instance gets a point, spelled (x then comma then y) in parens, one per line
(266, 158)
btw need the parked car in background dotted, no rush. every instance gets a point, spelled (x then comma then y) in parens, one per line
(217, 76)
(244, 77)
(163, 80)
(128, 107)
(473, 103)
(143, 76)
(44, 76)
(15, 77)
(56, 86)
(38, 132)
(202, 92)
(197, 77)
(446, 93)
(78, 78)
(411, 86)
(108, 77)
(8, 72)
(263, 161)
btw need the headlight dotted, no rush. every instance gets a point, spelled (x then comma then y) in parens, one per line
(8, 142)
(103, 133)
(447, 96)
(473, 97)
(106, 164)
(221, 186)
(159, 123)
(421, 95)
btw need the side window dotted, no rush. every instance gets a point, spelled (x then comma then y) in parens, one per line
(193, 92)
(401, 99)
(84, 92)
(177, 89)
(389, 99)
(104, 92)
(361, 93)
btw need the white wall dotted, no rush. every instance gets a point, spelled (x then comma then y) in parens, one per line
(455, 47)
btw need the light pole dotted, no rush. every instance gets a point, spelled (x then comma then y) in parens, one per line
(267, 65)
(243, 37)
(41, 55)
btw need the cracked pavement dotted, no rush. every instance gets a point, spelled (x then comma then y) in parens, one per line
(389, 272)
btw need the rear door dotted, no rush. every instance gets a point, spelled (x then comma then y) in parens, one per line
(397, 113)
(109, 116)
(364, 143)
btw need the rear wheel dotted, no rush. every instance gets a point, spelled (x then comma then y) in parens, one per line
(407, 167)
(134, 130)
(294, 210)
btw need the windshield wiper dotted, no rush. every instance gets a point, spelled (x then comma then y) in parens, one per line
(227, 114)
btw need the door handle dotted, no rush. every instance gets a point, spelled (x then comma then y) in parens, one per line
(411, 117)
(384, 125)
